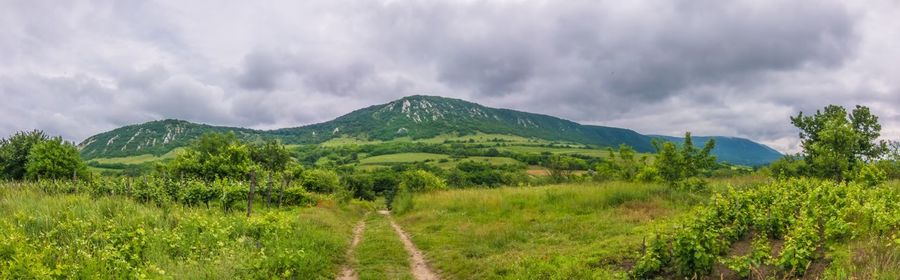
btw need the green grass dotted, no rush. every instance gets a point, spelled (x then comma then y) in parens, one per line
(402, 158)
(554, 232)
(380, 254)
(538, 149)
(138, 159)
(46, 236)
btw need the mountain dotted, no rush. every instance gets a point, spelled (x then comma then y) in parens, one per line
(416, 117)
(732, 149)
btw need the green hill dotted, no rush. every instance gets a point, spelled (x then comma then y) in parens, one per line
(733, 150)
(413, 117)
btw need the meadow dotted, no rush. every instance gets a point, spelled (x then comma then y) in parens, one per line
(569, 231)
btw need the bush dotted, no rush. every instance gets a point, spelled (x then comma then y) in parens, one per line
(321, 181)
(870, 175)
(360, 186)
(55, 159)
(402, 202)
(421, 181)
(297, 196)
(231, 193)
(692, 184)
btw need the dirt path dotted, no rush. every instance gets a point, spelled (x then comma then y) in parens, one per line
(417, 262)
(347, 273)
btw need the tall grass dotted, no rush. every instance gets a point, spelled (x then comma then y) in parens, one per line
(572, 231)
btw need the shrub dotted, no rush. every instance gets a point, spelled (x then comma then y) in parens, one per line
(421, 181)
(360, 186)
(297, 196)
(870, 175)
(320, 180)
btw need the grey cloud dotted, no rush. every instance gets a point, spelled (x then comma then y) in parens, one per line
(713, 67)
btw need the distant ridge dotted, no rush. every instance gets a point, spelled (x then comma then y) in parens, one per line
(416, 117)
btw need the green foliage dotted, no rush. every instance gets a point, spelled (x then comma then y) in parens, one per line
(14, 153)
(402, 202)
(835, 142)
(421, 181)
(870, 175)
(805, 213)
(790, 166)
(54, 159)
(271, 155)
(626, 167)
(561, 167)
(683, 166)
(61, 236)
(321, 180)
(214, 156)
(470, 173)
(360, 186)
(296, 195)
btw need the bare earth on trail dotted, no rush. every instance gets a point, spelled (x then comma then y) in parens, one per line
(347, 273)
(420, 268)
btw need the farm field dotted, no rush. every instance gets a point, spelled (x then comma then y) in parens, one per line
(403, 158)
(77, 235)
(145, 158)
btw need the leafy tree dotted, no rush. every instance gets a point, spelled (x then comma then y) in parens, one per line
(54, 159)
(789, 166)
(836, 143)
(361, 186)
(14, 153)
(321, 180)
(561, 167)
(684, 166)
(626, 167)
(214, 156)
(271, 155)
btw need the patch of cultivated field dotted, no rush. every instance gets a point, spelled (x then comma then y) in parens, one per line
(403, 158)
(579, 231)
(60, 236)
(137, 159)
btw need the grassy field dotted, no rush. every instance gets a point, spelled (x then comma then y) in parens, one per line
(552, 232)
(48, 236)
(402, 158)
(380, 254)
(138, 159)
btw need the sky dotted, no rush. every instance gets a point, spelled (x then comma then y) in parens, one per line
(732, 68)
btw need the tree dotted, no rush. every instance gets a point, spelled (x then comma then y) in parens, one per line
(14, 153)
(321, 180)
(271, 155)
(361, 186)
(54, 159)
(836, 143)
(561, 167)
(214, 156)
(685, 166)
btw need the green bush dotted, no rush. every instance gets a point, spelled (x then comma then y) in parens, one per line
(321, 180)
(297, 196)
(870, 175)
(421, 181)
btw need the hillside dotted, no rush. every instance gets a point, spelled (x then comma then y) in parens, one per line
(413, 117)
(732, 149)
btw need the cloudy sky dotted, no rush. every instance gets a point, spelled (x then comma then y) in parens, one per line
(735, 68)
